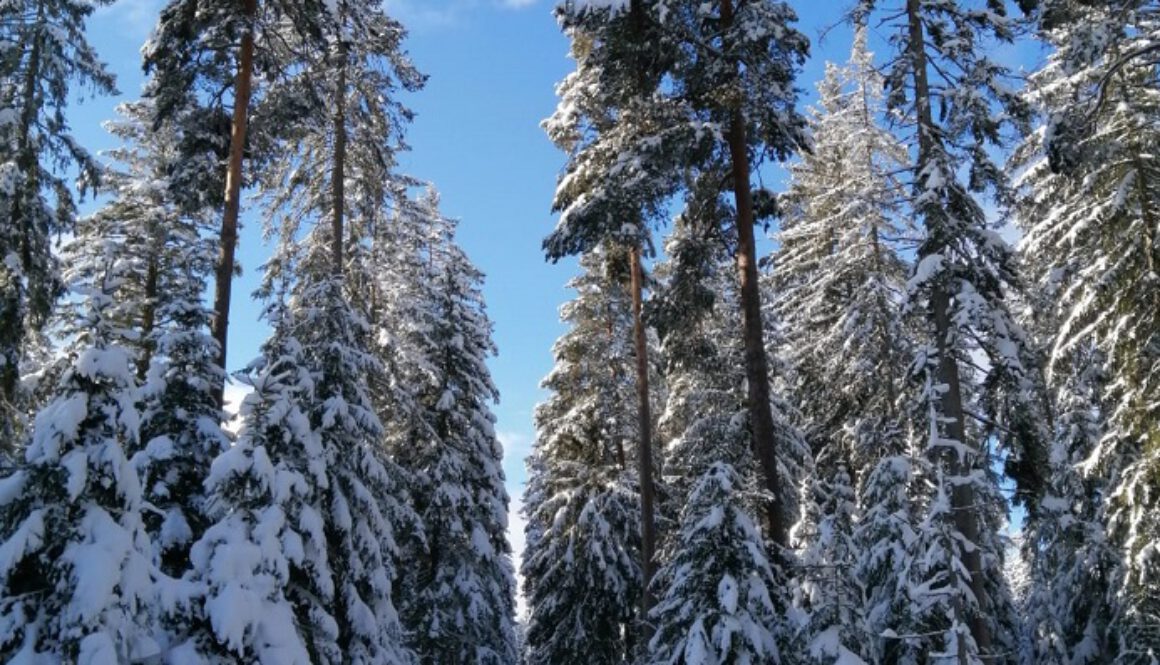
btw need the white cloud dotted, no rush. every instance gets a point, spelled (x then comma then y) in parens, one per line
(135, 17)
(435, 14)
(516, 445)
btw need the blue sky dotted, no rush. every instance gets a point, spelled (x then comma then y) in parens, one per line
(493, 66)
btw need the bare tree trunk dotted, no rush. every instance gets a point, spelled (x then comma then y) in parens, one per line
(149, 313)
(756, 365)
(224, 271)
(951, 401)
(648, 535)
(338, 177)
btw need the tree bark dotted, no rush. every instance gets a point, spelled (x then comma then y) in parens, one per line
(149, 313)
(951, 401)
(338, 177)
(648, 536)
(228, 239)
(753, 333)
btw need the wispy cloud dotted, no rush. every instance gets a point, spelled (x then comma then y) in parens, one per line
(135, 17)
(516, 445)
(436, 14)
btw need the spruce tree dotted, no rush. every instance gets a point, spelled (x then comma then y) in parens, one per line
(77, 575)
(888, 522)
(838, 274)
(160, 295)
(704, 421)
(44, 57)
(963, 267)
(716, 606)
(458, 604)
(354, 495)
(836, 284)
(831, 594)
(1072, 607)
(364, 501)
(581, 566)
(704, 417)
(1088, 207)
(261, 569)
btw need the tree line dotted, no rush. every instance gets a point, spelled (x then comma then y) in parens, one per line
(814, 457)
(358, 514)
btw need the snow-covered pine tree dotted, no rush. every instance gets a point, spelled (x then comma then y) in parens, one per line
(625, 141)
(717, 606)
(936, 588)
(830, 591)
(76, 570)
(364, 500)
(837, 286)
(734, 66)
(309, 481)
(46, 57)
(166, 262)
(356, 498)
(581, 566)
(351, 90)
(459, 596)
(838, 278)
(888, 520)
(1071, 607)
(704, 417)
(264, 586)
(401, 293)
(207, 54)
(138, 212)
(973, 361)
(1091, 213)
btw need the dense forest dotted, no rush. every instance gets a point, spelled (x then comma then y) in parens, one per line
(902, 408)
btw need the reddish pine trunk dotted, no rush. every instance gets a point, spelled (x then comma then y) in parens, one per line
(224, 271)
(648, 536)
(338, 177)
(756, 365)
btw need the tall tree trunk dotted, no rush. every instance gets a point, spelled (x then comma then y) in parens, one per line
(149, 313)
(648, 534)
(19, 234)
(338, 177)
(951, 402)
(224, 271)
(753, 333)
(614, 369)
